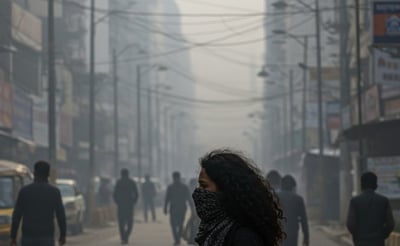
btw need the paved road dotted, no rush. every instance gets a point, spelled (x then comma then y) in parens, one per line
(155, 234)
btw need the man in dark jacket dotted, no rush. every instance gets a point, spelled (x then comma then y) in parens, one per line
(176, 201)
(36, 206)
(148, 194)
(370, 219)
(274, 178)
(125, 196)
(294, 211)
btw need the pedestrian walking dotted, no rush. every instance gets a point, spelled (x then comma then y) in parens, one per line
(370, 219)
(274, 178)
(148, 194)
(36, 206)
(294, 211)
(176, 201)
(235, 203)
(125, 196)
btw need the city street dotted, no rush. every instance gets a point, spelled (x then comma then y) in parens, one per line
(155, 234)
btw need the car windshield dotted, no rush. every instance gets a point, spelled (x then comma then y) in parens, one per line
(66, 190)
(6, 192)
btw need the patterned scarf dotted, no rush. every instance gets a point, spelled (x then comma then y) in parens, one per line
(215, 223)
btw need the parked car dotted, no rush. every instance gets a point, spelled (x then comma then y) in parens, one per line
(13, 176)
(74, 204)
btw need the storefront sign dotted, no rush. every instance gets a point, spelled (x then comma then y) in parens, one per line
(387, 73)
(391, 108)
(388, 171)
(40, 121)
(6, 105)
(372, 107)
(387, 23)
(22, 114)
(26, 28)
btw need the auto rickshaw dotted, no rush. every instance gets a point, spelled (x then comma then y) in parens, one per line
(13, 176)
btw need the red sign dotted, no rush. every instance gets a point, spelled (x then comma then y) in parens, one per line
(6, 105)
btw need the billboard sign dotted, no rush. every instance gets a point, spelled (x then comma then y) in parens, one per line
(387, 22)
(22, 114)
(387, 73)
(6, 105)
(388, 171)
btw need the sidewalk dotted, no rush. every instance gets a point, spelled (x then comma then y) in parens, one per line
(338, 234)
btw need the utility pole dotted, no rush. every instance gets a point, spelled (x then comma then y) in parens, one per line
(92, 108)
(291, 137)
(139, 122)
(116, 115)
(304, 104)
(149, 131)
(285, 128)
(158, 132)
(319, 82)
(52, 89)
(359, 88)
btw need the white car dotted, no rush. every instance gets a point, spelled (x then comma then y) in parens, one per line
(74, 204)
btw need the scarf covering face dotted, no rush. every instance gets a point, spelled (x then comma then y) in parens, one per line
(215, 223)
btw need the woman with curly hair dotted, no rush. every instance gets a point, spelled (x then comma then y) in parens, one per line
(235, 203)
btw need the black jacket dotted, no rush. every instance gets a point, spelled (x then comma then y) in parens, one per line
(243, 236)
(36, 205)
(177, 198)
(370, 218)
(295, 213)
(126, 193)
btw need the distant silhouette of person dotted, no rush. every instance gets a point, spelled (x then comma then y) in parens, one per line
(148, 194)
(294, 211)
(36, 206)
(274, 178)
(176, 201)
(370, 219)
(125, 196)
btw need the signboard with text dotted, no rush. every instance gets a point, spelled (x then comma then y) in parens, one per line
(387, 23)
(387, 73)
(22, 114)
(388, 171)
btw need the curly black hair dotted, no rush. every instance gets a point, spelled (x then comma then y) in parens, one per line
(245, 194)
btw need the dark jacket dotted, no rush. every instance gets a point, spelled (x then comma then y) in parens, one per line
(177, 197)
(126, 193)
(36, 205)
(295, 213)
(370, 219)
(148, 191)
(240, 236)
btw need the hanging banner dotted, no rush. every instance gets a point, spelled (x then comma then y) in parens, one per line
(387, 23)
(22, 114)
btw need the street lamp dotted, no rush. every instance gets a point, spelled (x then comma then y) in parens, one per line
(139, 113)
(316, 11)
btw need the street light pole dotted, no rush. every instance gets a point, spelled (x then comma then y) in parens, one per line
(116, 115)
(149, 131)
(304, 104)
(92, 108)
(51, 88)
(319, 81)
(139, 122)
(291, 137)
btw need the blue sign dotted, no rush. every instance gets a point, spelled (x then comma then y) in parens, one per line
(22, 114)
(387, 23)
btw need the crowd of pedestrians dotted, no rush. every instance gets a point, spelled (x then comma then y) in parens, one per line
(231, 204)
